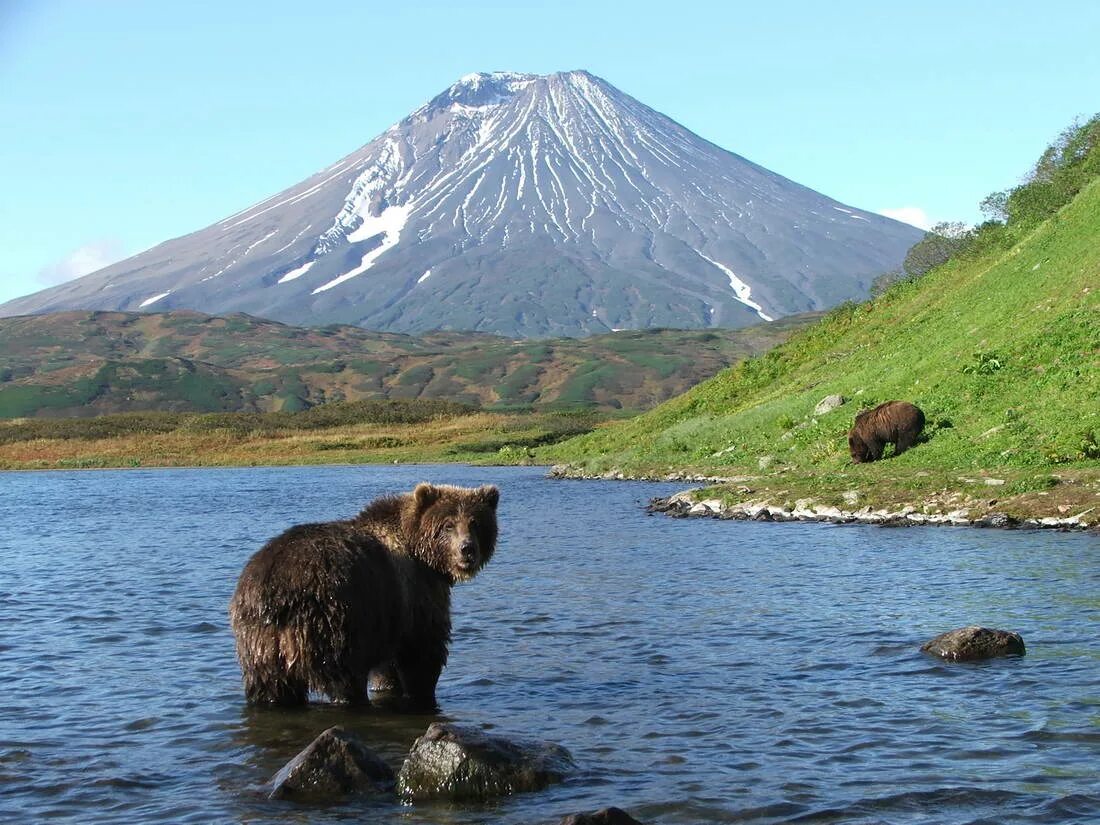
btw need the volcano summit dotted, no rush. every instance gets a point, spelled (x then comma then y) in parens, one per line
(524, 205)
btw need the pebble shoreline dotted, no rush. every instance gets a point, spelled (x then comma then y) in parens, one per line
(684, 505)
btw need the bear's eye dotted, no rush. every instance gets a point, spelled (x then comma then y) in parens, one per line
(449, 524)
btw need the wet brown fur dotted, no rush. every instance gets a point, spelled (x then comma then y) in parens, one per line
(897, 422)
(319, 606)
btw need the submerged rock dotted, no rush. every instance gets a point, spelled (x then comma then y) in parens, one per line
(677, 505)
(383, 682)
(461, 762)
(334, 764)
(604, 816)
(974, 643)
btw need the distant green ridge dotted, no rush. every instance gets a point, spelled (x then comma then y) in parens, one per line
(1000, 348)
(80, 364)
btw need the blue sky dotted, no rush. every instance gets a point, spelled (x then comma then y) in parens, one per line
(123, 124)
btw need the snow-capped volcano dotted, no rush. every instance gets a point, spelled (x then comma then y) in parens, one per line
(521, 204)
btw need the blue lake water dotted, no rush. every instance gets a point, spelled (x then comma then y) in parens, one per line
(699, 671)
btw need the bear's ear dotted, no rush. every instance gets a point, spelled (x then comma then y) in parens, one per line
(491, 495)
(425, 495)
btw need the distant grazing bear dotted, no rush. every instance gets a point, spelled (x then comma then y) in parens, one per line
(319, 606)
(895, 421)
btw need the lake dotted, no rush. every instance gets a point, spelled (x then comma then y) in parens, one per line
(698, 670)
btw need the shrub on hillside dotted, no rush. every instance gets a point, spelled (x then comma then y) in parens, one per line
(239, 423)
(1063, 170)
(108, 426)
(939, 244)
(393, 411)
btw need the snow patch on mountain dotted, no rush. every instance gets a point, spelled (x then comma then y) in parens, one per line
(298, 272)
(391, 221)
(253, 245)
(739, 287)
(290, 243)
(362, 198)
(154, 299)
(389, 224)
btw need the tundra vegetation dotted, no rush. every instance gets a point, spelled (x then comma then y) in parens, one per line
(111, 389)
(83, 364)
(408, 431)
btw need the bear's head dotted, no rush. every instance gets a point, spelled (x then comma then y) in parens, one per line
(857, 449)
(454, 529)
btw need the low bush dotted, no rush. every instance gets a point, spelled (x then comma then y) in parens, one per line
(337, 414)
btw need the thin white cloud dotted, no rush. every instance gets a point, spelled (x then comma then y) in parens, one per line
(913, 215)
(81, 261)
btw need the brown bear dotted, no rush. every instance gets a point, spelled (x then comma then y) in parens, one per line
(894, 421)
(319, 606)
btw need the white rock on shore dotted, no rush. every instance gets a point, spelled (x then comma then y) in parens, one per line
(684, 504)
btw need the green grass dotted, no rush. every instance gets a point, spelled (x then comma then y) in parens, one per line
(581, 385)
(517, 387)
(1000, 348)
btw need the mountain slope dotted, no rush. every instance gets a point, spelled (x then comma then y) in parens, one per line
(523, 205)
(1001, 349)
(92, 363)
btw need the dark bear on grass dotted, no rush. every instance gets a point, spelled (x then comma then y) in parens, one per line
(897, 422)
(319, 606)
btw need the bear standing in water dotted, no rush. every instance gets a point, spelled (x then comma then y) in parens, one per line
(319, 606)
(895, 421)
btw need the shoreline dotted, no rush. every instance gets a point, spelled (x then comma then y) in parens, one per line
(684, 505)
(732, 506)
(691, 503)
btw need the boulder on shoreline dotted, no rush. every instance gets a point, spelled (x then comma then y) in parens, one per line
(974, 643)
(463, 762)
(604, 816)
(335, 764)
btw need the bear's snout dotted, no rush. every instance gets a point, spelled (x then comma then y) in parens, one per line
(468, 553)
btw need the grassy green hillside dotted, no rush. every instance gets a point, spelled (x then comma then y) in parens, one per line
(1000, 347)
(94, 363)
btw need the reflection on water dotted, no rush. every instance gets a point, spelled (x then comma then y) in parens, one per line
(699, 671)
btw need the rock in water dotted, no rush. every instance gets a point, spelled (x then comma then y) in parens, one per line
(604, 816)
(334, 764)
(974, 643)
(1000, 520)
(460, 762)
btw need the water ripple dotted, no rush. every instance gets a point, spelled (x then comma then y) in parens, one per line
(699, 671)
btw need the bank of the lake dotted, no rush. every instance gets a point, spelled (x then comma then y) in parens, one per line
(1053, 497)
